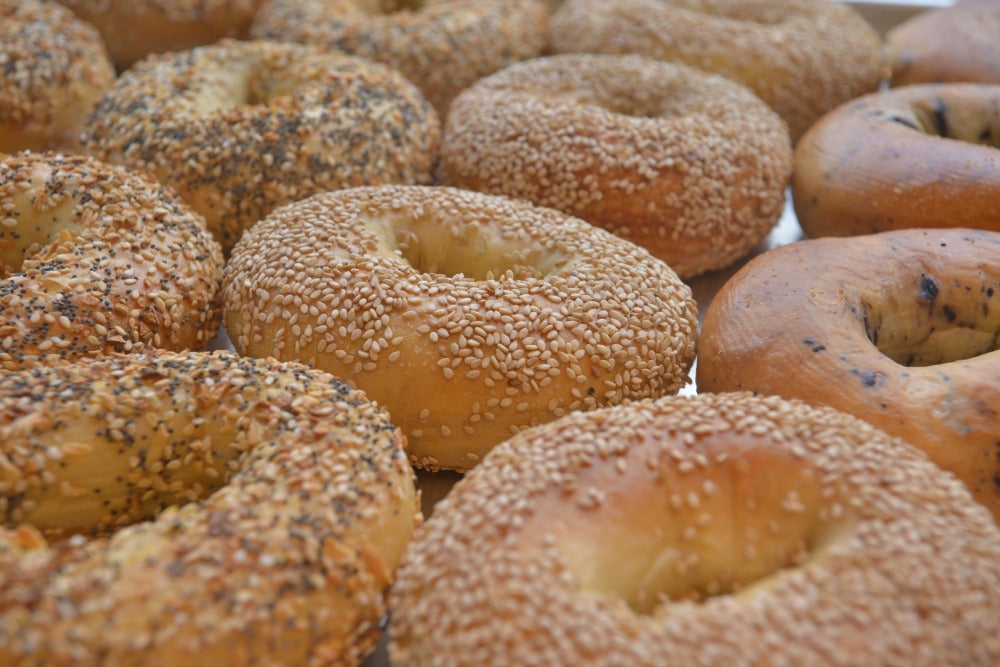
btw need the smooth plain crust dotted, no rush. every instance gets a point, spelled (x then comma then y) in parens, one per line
(809, 321)
(919, 156)
(956, 43)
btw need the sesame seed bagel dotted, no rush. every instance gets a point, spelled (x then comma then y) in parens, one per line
(53, 70)
(800, 56)
(96, 259)
(917, 156)
(259, 510)
(688, 165)
(714, 530)
(133, 29)
(239, 128)
(469, 316)
(899, 328)
(956, 43)
(443, 46)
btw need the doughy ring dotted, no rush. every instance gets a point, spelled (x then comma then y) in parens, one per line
(956, 43)
(133, 29)
(686, 164)
(274, 503)
(715, 530)
(96, 259)
(239, 128)
(469, 316)
(53, 70)
(800, 56)
(442, 46)
(918, 156)
(898, 328)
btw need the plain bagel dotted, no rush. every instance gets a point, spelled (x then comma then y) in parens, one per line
(95, 259)
(469, 316)
(686, 164)
(802, 57)
(134, 29)
(960, 42)
(898, 328)
(917, 156)
(195, 509)
(715, 530)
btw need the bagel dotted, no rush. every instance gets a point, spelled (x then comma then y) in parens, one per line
(956, 43)
(95, 259)
(202, 509)
(918, 156)
(690, 166)
(898, 328)
(53, 70)
(468, 316)
(441, 46)
(133, 29)
(800, 56)
(239, 128)
(713, 530)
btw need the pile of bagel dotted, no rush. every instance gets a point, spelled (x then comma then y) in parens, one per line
(649, 332)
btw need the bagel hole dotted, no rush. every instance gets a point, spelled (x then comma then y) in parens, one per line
(668, 99)
(30, 228)
(953, 321)
(470, 249)
(766, 513)
(760, 13)
(137, 484)
(953, 121)
(378, 7)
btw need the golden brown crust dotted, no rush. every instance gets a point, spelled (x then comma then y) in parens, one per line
(133, 29)
(919, 156)
(688, 165)
(469, 316)
(898, 328)
(239, 128)
(853, 549)
(956, 43)
(301, 504)
(53, 70)
(800, 56)
(441, 46)
(95, 259)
